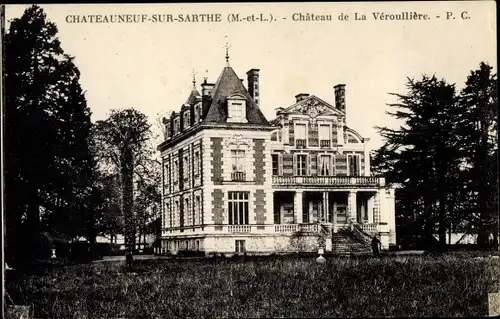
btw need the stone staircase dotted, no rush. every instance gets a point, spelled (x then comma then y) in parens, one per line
(345, 242)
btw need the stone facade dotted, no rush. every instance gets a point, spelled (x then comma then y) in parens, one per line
(234, 182)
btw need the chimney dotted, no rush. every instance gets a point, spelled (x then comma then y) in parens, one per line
(299, 97)
(339, 91)
(253, 85)
(206, 88)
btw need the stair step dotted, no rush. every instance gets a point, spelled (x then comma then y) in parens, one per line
(345, 243)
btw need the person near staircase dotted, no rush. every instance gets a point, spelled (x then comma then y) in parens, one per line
(376, 245)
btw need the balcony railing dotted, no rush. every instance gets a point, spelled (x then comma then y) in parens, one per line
(239, 228)
(238, 176)
(369, 228)
(309, 228)
(292, 228)
(300, 143)
(286, 228)
(324, 144)
(327, 180)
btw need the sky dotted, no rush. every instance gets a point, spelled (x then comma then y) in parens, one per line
(149, 66)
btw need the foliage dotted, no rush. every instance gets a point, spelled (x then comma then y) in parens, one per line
(480, 144)
(421, 156)
(124, 151)
(48, 162)
(444, 158)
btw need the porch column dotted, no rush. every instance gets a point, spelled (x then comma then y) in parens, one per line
(297, 206)
(352, 205)
(370, 204)
(334, 212)
(366, 157)
(326, 208)
(282, 214)
(381, 206)
(311, 215)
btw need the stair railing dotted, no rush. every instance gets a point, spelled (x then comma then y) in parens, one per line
(322, 234)
(360, 234)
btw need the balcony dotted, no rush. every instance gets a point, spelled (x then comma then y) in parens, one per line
(239, 229)
(300, 143)
(238, 176)
(324, 143)
(347, 181)
(286, 228)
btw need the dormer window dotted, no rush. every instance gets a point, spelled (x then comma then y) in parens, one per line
(166, 133)
(197, 111)
(236, 109)
(187, 119)
(176, 126)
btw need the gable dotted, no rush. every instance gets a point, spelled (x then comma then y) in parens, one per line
(312, 106)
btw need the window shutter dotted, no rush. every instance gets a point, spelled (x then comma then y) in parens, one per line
(358, 163)
(280, 164)
(333, 173)
(294, 164)
(308, 158)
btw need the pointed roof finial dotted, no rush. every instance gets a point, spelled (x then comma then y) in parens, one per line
(194, 78)
(227, 53)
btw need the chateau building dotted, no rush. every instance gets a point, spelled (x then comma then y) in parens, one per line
(234, 182)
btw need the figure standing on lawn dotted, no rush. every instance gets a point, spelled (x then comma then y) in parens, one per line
(376, 244)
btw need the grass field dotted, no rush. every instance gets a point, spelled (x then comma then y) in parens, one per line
(343, 287)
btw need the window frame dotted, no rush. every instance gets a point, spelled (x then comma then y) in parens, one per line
(238, 160)
(197, 209)
(175, 170)
(328, 162)
(196, 162)
(185, 166)
(330, 133)
(241, 109)
(305, 163)
(239, 246)
(238, 207)
(305, 138)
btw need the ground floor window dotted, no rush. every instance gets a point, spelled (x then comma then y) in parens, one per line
(238, 208)
(240, 246)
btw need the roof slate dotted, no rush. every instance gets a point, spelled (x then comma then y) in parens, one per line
(192, 96)
(229, 84)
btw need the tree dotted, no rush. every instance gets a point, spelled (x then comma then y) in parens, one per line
(122, 141)
(47, 124)
(480, 112)
(423, 156)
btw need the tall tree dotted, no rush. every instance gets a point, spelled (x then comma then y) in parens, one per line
(422, 155)
(480, 113)
(47, 124)
(123, 146)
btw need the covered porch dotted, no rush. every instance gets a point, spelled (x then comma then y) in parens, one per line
(303, 210)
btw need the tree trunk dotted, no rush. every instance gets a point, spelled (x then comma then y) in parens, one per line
(442, 223)
(481, 169)
(128, 198)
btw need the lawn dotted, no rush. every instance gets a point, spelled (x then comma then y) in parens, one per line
(451, 285)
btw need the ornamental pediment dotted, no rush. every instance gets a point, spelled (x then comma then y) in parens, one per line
(313, 107)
